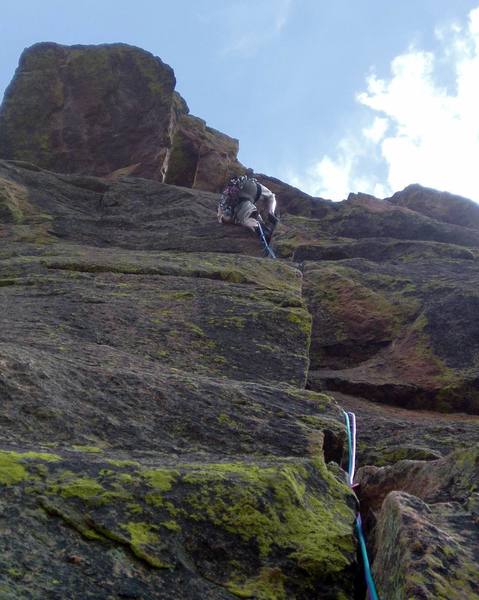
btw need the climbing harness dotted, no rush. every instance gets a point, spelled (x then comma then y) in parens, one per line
(350, 419)
(266, 247)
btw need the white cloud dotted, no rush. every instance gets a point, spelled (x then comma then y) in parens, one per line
(377, 130)
(248, 30)
(283, 8)
(420, 130)
(335, 176)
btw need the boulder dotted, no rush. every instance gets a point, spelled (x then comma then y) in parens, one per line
(424, 551)
(426, 534)
(182, 529)
(451, 478)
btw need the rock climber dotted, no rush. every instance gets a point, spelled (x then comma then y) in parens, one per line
(245, 201)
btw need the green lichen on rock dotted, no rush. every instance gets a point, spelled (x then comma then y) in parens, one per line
(234, 497)
(42, 456)
(268, 585)
(123, 462)
(171, 525)
(301, 318)
(291, 517)
(14, 205)
(81, 487)
(140, 533)
(86, 448)
(160, 479)
(14, 465)
(11, 470)
(142, 536)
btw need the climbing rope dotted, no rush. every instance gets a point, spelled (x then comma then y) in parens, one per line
(350, 419)
(266, 246)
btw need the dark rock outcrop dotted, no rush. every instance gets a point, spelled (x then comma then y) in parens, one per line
(201, 157)
(90, 109)
(109, 110)
(442, 206)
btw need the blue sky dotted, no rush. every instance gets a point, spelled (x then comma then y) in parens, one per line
(350, 95)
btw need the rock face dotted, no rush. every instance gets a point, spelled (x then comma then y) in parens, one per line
(156, 434)
(201, 157)
(389, 434)
(170, 401)
(110, 109)
(394, 300)
(441, 206)
(426, 540)
(388, 284)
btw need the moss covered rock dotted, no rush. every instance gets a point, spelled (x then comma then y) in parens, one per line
(167, 379)
(263, 529)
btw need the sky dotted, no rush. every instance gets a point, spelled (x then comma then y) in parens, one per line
(331, 96)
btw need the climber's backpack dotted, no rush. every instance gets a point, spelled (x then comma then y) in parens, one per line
(230, 195)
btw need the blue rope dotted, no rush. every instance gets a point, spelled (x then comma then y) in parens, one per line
(367, 567)
(373, 595)
(264, 242)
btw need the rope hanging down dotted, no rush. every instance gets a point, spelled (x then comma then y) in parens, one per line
(264, 243)
(350, 419)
